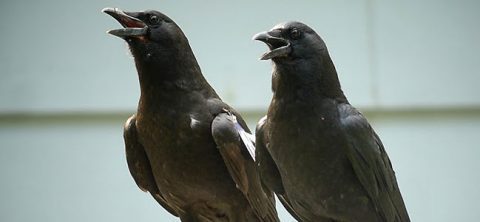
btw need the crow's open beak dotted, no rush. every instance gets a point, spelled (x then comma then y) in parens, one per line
(132, 26)
(279, 47)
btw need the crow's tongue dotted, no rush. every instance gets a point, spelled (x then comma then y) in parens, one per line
(127, 22)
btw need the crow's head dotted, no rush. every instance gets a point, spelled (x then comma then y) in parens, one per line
(291, 41)
(148, 31)
(300, 58)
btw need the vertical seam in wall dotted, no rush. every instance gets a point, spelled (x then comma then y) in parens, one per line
(372, 60)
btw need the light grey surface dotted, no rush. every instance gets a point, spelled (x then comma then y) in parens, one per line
(427, 53)
(412, 65)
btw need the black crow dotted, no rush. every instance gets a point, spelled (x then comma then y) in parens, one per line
(192, 152)
(315, 150)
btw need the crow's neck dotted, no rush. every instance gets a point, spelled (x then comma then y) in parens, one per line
(169, 78)
(307, 80)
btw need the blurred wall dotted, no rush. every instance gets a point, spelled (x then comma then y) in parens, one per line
(66, 89)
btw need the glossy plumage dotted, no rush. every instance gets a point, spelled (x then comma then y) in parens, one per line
(184, 145)
(315, 150)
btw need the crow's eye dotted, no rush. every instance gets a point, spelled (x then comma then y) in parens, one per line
(153, 19)
(295, 34)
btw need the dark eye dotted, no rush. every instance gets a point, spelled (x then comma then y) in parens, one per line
(295, 34)
(153, 19)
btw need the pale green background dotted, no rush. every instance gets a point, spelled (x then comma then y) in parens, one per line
(66, 88)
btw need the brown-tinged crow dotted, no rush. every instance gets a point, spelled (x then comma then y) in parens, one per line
(192, 152)
(314, 149)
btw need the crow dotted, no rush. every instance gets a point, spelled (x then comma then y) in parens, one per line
(192, 152)
(314, 150)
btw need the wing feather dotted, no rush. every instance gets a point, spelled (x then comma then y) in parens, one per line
(372, 165)
(236, 153)
(139, 165)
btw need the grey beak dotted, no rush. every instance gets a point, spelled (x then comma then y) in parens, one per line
(279, 47)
